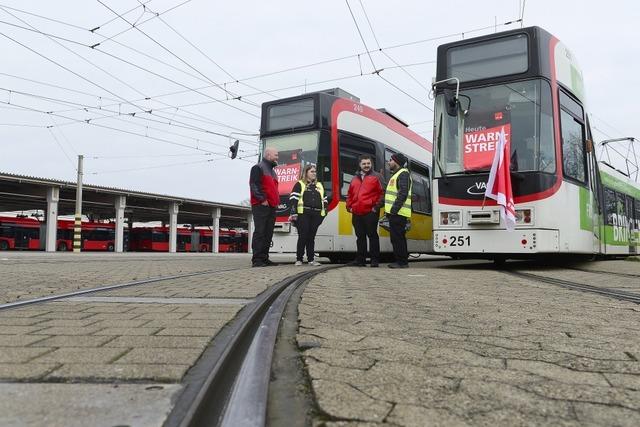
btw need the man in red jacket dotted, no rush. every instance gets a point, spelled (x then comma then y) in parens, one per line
(364, 200)
(263, 184)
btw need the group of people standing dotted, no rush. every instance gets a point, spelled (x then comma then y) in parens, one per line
(308, 202)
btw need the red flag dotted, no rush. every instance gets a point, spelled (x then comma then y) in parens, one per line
(499, 182)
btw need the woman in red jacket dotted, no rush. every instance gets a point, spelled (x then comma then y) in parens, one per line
(364, 200)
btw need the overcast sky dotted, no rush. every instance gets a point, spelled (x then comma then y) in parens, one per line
(60, 97)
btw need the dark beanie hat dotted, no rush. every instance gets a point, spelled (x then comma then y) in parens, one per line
(399, 158)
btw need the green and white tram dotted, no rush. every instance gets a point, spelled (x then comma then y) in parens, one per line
(526, 83)
(332, 129)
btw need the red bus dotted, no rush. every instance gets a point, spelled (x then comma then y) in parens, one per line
(156, 239)
(19, 233)
(95, 236)
(24, 233)
(226, 242)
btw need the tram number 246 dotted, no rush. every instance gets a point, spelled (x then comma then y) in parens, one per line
(459, 240)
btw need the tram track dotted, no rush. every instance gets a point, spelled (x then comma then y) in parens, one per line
(568, 284)
(229, 385)
(81, 292)
(612, 273)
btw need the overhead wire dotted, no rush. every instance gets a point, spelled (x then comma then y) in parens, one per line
(239, 98)
(90, 123)
(376, 70)
(110, 74)
(32, 28)
(116, 117)
(62, 148)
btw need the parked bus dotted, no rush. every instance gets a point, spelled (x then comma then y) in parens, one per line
(24, 233)
(227, 240)
(523, 87)
(95, 236)
(156, 239)
(19, 233)
(331, 129)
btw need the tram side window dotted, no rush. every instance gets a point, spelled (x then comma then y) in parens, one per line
(611, 205)
(351, 148)
(573, 144)
(420, 190)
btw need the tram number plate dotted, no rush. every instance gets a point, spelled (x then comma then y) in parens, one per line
(459, 240)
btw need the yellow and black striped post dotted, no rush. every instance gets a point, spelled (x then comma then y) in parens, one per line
(77, 226)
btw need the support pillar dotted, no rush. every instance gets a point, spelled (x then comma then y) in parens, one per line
(51, 233)
(121, 203)
(215, 237)
(173, 227)
(250, 231)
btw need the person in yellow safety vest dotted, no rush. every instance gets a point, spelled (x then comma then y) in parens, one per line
(308, 209)
(397, 206)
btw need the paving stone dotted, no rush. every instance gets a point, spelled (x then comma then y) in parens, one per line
(159, 342)
(20, 321)
(69, 323)
(20, 340)
(128, 331)
(468, 346)
(73, 341)
(188, 323)
(61, 330)
(341, 400)
(189, 332)
(121, 323)
(418, 416)
(81, 355)
(119, 372)
(23, 372)
(160, 356)
(20, 355)
(20, 330)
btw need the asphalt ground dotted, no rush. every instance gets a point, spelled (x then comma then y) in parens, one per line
(440, 343)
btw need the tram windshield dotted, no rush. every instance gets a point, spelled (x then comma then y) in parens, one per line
(466, 143)
(294, 153)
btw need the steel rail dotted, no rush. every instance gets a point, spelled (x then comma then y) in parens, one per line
(18, 304)
(229, 385)
(611, 293)
(631, 275)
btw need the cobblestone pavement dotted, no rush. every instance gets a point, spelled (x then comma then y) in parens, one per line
(146, 336)
(466, 345)
(27, 276)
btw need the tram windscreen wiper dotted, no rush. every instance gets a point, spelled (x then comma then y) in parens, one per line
(469, 172)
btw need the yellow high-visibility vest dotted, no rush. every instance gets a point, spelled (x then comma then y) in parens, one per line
(392, 193)
(303, 187)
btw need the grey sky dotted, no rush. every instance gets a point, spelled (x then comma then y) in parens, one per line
(245, 39)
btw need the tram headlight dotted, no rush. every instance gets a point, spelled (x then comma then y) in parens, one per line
(524, 216)
(450, 218)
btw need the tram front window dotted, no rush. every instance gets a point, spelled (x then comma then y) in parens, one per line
(294, 153)
(522, 110)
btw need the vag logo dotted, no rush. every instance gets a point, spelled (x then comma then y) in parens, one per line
(477, 189)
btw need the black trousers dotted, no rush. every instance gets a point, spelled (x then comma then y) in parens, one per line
(307, 225)
(264, 219)
(366, 226)
(397, 229)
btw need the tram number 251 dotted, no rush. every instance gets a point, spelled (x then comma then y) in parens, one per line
(459, 240)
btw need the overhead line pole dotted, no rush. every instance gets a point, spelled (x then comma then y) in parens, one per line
(77, 226)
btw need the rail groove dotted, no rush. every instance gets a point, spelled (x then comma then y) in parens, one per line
(39, 300)
(611, 293)
(229, 385)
